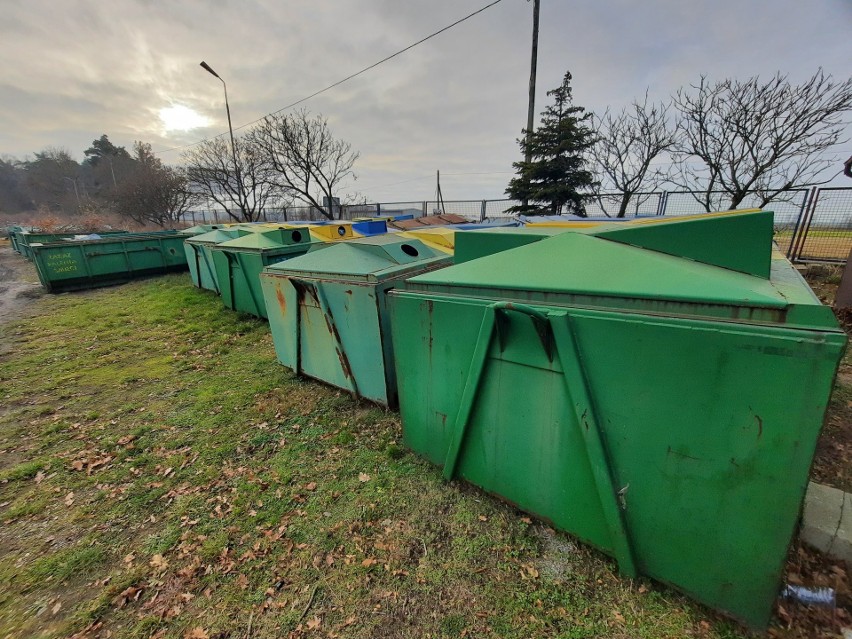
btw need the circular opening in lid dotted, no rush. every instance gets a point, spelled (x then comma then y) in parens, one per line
(297, 236)
(409, 250)
(341, 231)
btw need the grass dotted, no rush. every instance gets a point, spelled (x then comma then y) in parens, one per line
(160, 472)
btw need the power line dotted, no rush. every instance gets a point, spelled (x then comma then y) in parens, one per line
(349, 77)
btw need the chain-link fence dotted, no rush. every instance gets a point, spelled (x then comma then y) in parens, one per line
(810, 224)
(823, 232)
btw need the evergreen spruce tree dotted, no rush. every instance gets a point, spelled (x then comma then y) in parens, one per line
(556, 177)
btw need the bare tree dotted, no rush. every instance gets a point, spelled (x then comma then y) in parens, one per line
(153, 192)
(755, 136)
(306, 160)
(243, 189)
(628, 143)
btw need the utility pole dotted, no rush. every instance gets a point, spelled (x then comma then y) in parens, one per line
(531, 107)
(533, 63)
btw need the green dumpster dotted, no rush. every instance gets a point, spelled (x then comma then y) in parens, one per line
(662, 405)
(239, 262)
(14, 237)
(327, 310)
(26, 238)
(73, 265)
(199, 257)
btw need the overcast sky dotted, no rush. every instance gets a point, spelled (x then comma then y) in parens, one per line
(74, 69)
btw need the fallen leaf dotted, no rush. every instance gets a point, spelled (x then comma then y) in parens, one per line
(349, 621)
(526, 520)
(196, 633)
(128, 559)
(363, 477)
(69, 499)
(314, 623)
(369, 561)
(56, 607)
(159, 562)
(311, 486)
(483, 518)
(39, 477)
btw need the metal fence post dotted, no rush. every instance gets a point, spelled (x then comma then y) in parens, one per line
(482, 211)
(664, 200)
(215, 216)
(796, 228)
(425, 206)
(378, 209)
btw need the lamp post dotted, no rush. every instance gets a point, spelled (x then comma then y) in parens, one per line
(76, 193)
(210, 70)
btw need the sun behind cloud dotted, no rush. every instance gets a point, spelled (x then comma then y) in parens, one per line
(180, 118)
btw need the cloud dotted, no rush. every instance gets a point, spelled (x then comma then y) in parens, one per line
(76, 69)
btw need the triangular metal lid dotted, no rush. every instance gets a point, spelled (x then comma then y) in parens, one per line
(270, 239)
(369, 258)
(736, 240)
(580, 269)
(219, 235)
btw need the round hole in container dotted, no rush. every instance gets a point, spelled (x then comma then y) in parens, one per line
(172, 251)
(297, 236)
(409, 250)
(341, 231)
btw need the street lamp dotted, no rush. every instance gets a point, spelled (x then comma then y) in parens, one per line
(209, 70)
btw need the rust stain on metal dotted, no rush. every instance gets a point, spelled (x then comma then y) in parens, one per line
(282, 301)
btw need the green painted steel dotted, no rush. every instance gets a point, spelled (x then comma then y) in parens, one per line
(473, 244)
(14, 237)
(328, 315)
(198, 229)
(199, 256)
(734, 241)
(66, 266)
(663, 410)
(27, 238)
(239, 262)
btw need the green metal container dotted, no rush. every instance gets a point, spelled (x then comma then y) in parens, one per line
(239, 262)
(73, 265)
(14, 237)
(327, 310)
(27, 238)
(199, 256)
(661, 405)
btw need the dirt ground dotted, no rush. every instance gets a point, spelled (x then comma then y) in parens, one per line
(18, 283)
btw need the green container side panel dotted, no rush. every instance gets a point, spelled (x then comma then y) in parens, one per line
(64, 266)
(238, 275)
(239, 262)
(199, 257)
(740, 242)
(327, 311)
(707, 430)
